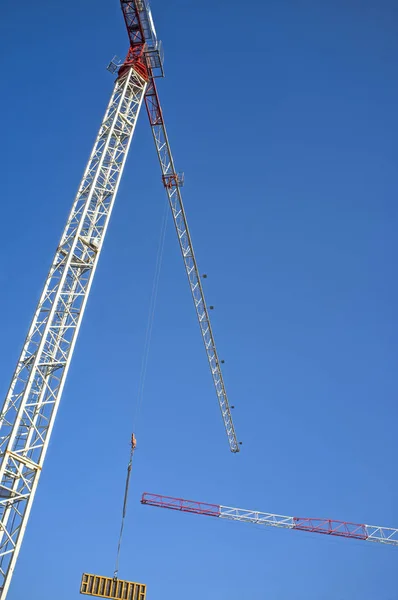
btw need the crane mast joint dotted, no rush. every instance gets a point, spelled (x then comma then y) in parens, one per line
(173, 180)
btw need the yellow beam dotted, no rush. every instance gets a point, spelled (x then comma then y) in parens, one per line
(108, 587)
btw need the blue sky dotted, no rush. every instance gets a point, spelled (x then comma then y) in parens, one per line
(282, 115)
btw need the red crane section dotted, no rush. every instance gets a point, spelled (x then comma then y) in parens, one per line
(331, 527)
(190, 506)
(135, 56)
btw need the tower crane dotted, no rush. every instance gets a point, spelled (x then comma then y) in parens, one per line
(30, 407)
(344, 529)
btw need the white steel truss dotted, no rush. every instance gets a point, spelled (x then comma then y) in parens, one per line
(29, 410)
(368, 533)
(384, 535)
(173, 182)
(251, 516)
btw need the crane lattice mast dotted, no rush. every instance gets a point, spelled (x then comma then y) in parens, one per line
(31, 404)
(345, 529)
(32, 401)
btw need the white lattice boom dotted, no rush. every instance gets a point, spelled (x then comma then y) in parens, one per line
(172, 183)
(140, 29)
(30, 407)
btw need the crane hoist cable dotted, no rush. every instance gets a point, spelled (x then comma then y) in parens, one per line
(151, 313)
(133, 445)
(144, 366)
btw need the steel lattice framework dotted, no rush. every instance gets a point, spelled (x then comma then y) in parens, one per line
(172, 182)
(139, 26)
(30, 407)
(345, 529)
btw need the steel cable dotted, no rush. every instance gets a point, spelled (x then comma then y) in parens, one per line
(143, 372)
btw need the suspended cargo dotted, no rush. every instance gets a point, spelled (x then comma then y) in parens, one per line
(108, 587)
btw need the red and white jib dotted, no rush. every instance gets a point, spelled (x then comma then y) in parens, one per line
(344, 529)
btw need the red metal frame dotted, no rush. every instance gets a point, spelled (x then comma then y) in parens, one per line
(133, 24)
(190, 506)
(135, 56)
(152, 104)
(170, 181)
(331, 527)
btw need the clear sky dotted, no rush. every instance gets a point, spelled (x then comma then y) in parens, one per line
(283, 116)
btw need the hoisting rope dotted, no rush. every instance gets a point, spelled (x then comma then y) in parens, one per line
(151, 314)
(144, 366)
(126, 492)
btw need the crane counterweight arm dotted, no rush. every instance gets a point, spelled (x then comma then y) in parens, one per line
(172, 183)
(345, 529)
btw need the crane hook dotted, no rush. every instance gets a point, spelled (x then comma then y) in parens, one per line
(133, 442)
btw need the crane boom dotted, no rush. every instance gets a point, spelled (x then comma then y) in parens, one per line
(172, 183)
(140, 27)
(30, 407)
(345, 529)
